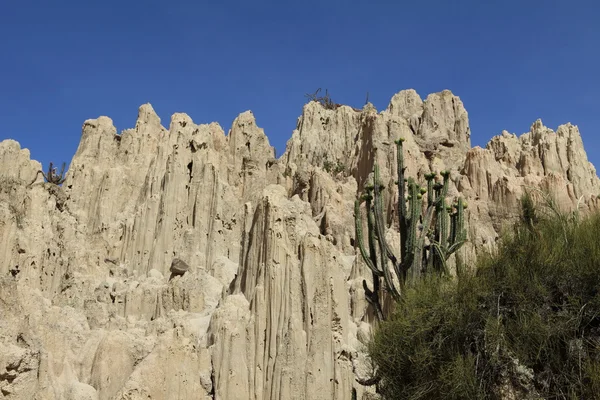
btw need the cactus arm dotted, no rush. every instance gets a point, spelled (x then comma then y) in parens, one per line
(372, 231)
(389, 280)
(453, 222)
(442, 222)
(441, 226)
(417, 262)
(380, 220)
(373, 247)
(359, 239)
(402, 212)
(437, 189)
(373, 299)
(400, 183)
(446, 181)
(370, 259)
(385, 251)
(430, 180)
(411, 230)
(459, 234)
(440, 255)
(455, 246)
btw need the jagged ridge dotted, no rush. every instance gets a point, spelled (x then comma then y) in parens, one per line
(272, 306)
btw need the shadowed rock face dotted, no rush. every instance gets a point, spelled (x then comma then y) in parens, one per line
(271, 304)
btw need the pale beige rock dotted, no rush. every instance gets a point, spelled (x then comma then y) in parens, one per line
(272, 304)
(294, 332)
(407, 104)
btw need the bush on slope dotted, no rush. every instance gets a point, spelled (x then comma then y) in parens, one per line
(528, 320)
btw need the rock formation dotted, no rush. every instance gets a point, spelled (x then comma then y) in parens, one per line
(185, 263)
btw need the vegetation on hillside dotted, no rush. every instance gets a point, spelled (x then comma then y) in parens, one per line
(525, 323)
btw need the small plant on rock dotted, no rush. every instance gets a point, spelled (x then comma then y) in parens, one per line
(334, 168)
(325, 101)
(51, 176)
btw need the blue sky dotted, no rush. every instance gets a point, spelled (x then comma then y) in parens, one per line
(510, 62)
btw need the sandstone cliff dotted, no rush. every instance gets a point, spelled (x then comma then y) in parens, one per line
(272, 305)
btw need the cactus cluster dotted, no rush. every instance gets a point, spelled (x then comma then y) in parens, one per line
(426, 240)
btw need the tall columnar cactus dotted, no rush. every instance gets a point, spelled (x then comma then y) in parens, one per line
(426, 240)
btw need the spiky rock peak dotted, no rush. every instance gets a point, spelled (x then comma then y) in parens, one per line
(272, 304)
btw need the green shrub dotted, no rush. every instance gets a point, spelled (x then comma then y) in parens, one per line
(529, 317)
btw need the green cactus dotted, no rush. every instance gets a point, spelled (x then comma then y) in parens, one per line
(441, 225)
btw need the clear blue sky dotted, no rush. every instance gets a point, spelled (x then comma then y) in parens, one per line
(510, 62)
